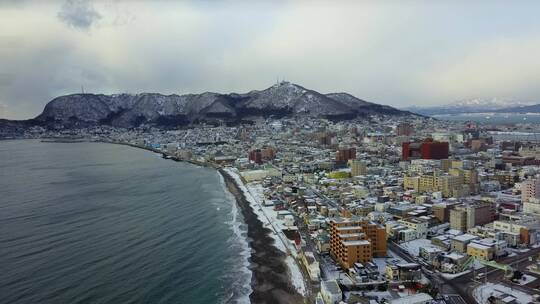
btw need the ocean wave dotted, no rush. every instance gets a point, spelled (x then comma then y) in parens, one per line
(239, 277)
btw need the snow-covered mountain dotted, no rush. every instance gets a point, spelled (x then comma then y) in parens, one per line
(476, 105)
(282, 99)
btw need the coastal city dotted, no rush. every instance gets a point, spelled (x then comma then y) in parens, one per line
(384, 210)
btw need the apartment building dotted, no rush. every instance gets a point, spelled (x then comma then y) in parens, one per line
(355, 240)
(530, 189)
(466, 216)
(358, 168)
(418, 226)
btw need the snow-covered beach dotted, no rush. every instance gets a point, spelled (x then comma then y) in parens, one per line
(276, 273)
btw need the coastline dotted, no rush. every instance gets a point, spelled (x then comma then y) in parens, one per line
(270, 281)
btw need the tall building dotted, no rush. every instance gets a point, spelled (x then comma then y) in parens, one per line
(358, 168)
(260, 155)
(404, 129)
(427, 149)
(255, 156)
(356, 239)
(442, 211)
(473, 214)
(458, 219)
(345, 154)
(530, 189)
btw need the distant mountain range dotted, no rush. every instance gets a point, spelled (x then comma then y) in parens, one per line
(477, 106)
(283, 99)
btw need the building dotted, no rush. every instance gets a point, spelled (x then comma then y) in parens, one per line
(259, 155)
(355, 240)
(466, 216)
(442, 211)
(527, 228)
(458, 219)
(311, 265)
(459, 243)
(358, 168)
(531, 206)
(255, 156)
(480, 251)
(404, 129)
(530, 189)
(331, 292)
(345, 154)
(419, 227)
(428, 149)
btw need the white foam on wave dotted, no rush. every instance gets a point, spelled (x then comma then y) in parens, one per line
(241, 275)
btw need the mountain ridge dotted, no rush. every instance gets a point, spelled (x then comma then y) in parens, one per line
(283, 99)
(471, 106)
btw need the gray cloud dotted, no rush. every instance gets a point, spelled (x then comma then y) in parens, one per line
(79, 14)
(385, 52)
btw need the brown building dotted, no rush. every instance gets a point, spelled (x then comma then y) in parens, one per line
(404, 129)
(428, 149)
(345, 154)
(260, 155)
(255, 156)
(442, 211)
(472, 214)
(355, 240)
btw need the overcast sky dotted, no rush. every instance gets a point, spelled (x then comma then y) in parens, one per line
(397, 53)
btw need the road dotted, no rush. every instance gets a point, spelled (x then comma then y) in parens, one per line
(325, 199)
(467, 282)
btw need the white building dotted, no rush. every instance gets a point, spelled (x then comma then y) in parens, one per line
(331, 292)
(420, 227)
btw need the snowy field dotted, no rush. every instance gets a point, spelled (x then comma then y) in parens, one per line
(483, 292)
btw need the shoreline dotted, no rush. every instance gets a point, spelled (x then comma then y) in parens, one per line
(270, 281)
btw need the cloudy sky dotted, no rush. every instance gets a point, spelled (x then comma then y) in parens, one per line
(396, 53)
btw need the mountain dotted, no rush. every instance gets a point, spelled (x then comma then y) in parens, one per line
(468, 106)
(284, 99)
(522, 109)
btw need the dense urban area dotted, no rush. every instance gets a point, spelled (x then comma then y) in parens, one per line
(385, 210)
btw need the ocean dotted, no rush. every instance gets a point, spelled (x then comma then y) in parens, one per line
(104, 223)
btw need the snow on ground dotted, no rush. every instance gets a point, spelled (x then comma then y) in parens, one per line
(380, 295)
(381, 264)
(484, 291)
(523, 250)
(450, 276)
(254, 193)
(413, 247)
(526, 279)
(255, 200)
(297, 278)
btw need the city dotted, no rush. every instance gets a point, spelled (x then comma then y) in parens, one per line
(387, 210)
